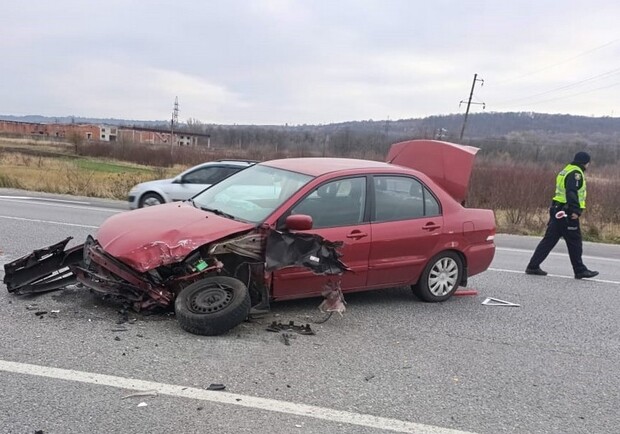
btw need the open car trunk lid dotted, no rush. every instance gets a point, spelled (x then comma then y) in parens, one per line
(448, 164)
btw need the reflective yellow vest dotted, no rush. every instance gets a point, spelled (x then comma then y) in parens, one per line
(560, 189)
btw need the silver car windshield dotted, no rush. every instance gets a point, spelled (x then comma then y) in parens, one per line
(251, 194)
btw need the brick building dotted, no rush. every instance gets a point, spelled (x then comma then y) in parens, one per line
(104, 133)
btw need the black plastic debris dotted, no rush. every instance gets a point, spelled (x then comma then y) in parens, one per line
(216, 386)
(123, 316)
(277, 326)
(286, 338)
(40, 313)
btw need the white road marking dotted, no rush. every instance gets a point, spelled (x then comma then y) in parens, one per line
(44, 199)
(503, 270)
(598, 258)
(58, 205)
(47, 221)
(219, 397)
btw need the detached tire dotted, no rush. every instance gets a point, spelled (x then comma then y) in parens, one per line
(212, 306)
(440, 278)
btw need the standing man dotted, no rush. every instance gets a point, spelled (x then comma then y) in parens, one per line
(568, 204)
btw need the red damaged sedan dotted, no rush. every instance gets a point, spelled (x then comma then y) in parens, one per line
(285, 229)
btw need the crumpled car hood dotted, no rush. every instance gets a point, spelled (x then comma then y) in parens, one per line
(150, 237)
(448, 164)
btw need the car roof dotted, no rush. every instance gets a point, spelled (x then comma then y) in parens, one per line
(316, 166)
(236, 162)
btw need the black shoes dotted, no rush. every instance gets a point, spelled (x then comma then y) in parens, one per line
(581, 275)
(586, 274)
(536, 271)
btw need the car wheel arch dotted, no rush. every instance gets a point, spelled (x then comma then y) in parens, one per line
(419, 287)
(151, 193)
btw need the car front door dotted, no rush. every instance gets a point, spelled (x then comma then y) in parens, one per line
(338, 211)
(406, 225)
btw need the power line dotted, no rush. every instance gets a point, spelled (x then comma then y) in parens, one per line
(575, 94)
(553, 65)
(567, 86)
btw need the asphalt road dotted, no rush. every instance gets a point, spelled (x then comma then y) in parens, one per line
(390, 364)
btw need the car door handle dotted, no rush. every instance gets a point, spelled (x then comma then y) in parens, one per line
(430, 227)
(357, 235)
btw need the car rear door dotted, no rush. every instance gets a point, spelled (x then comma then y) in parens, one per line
(406, 227)
(339, 213)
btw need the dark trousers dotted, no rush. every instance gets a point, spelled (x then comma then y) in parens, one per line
(560, 228)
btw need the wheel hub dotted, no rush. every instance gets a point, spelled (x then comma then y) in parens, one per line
(443, 276)
(210, 300)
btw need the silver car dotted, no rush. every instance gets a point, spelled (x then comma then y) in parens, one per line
(185, 185)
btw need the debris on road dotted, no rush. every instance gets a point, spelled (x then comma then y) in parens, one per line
(278, 326)
(334, 300)
(216, 386)
(144, 393)
(142, 404)
(286, 338)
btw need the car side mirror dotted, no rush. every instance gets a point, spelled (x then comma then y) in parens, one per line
(298, 222)
(177, 180)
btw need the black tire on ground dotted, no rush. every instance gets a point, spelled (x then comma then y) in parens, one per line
(150, 199)
(212, 306)
(440, 278)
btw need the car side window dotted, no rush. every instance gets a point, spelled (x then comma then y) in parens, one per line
(431, 206)
(335, 203)
(402, 198)
(208, 175)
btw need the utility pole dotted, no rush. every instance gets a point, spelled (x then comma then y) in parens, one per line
(469, 103)
(173, 121)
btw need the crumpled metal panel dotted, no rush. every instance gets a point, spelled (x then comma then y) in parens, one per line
(287, 249)
(152, 255)
(250, 245)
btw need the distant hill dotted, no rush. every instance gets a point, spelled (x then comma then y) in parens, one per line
(485, 125)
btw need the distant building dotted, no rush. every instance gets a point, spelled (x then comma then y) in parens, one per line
(60, 131)
(108, 134)
(104, 133)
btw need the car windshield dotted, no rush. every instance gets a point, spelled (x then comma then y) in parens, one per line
(251, 194)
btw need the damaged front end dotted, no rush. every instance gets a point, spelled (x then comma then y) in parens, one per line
(249, 257)
(53, 268)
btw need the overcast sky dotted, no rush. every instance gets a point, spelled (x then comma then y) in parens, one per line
(312, 62)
